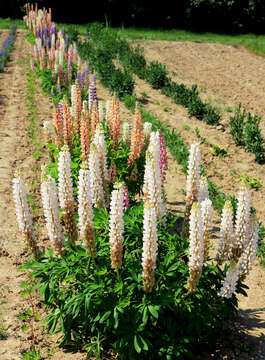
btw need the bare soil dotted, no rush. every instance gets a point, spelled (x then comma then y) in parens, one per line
(225, 76)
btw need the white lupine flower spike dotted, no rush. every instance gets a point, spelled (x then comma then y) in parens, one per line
(203, 192)
(24, 218)
(96, 182)
(230, 281)
(225, 246)
(152, 188)
(116, 226)
(196, 250)
(85, 211)
(51, 211)
(207, 215)
(242, 225)
(193, 185)
(149, 246)
(250, 252)
(66, 197)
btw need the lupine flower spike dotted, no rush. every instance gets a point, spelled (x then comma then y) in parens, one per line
(147, 129)
(196, 251)
(152, 188)
(51, 211)
(224, 251)
(66, 197)
(126, 133)
(230, 281)
(207, 214)
(96, 183)
(137, 137)
(84, 135)
(149, 246)
(100, 142)
(250, 251)
(85, 212)
(203, 192)
(24, 218)
(242, 225)
(116, 226)
(193, 185)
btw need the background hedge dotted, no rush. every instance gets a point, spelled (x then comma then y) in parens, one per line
(198, 15)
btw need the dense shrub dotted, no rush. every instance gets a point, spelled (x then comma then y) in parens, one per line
(156, 75)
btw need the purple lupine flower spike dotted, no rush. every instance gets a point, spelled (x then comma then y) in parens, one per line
(79, 78)
(66, 42)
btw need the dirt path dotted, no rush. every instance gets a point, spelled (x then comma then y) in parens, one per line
(16, 154)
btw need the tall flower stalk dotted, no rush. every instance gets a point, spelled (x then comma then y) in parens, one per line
(242, 225)
(66, 197)
(196, 250)
(250, 251)
(152, 188)
(96, 182)
(193, 185)
(207, 214)
(225, 246)
(230, 281)
(24, 218)
(51, 211)
(149, 247)
(116, 226)
(85, 212)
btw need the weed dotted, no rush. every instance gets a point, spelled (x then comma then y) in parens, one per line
(3, 333)
(229, 109)
(186, 127)
(32, 354)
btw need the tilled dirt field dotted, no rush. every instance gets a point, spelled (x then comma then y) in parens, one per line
(225, 76)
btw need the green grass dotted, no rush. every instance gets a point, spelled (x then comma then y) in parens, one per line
(5, 23)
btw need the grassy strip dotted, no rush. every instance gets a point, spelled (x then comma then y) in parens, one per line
(7, 22)
(252, 42)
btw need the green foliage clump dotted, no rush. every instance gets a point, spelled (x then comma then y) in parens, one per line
(156, 75)
(237, 123)
(246, 132)
(85, 298)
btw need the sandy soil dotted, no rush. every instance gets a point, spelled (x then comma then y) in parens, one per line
(226, 76)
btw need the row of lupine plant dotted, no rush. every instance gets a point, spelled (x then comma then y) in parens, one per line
(238, 243)
(54, 55)
(7, 47)
(118, 166)
(86, 120)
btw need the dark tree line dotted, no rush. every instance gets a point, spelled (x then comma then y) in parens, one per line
(199, 15)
